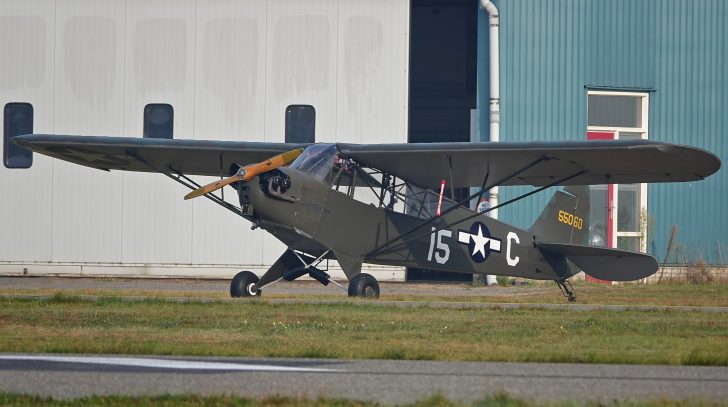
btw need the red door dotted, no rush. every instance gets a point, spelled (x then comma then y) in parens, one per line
(601, 227)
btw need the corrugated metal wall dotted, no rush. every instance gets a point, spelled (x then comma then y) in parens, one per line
(552, 50)
(228, 67)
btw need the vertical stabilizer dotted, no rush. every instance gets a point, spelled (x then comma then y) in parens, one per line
(565, 219)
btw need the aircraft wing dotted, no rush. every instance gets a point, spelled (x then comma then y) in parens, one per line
(603, 162)
(423, 164)
(191, 157)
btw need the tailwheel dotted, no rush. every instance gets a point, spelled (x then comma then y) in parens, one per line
(364, 285)
(244, 284)
(567, 290)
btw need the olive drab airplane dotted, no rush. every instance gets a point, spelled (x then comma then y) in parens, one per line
(385, 203)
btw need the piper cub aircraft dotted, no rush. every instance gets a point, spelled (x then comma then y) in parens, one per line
(385, 203)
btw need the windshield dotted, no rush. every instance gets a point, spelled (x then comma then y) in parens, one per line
(316, 160)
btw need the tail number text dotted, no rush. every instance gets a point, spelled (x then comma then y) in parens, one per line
(571, 220)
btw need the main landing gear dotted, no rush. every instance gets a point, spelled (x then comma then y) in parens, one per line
(364, 285)
(566, 289)
(292, 265)
(244, 284)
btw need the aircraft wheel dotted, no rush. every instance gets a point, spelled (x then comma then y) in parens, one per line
(364, 285)
(244, 284)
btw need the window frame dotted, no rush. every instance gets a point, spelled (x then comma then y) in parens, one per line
(617, 131)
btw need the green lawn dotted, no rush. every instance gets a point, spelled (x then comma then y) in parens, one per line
(498, 400)
(715, 295)
(257, 328)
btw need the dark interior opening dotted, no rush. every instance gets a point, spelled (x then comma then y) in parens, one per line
(300, 124)
(443, 75)
(17, 121)
(158, 121)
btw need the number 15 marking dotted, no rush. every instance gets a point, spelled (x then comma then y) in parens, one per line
(442, 255)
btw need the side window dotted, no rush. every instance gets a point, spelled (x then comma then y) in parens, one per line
(618, 212)
(300, 124)
(158, 121)
(18, 120)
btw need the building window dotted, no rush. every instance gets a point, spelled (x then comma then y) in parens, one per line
(617, 213)
(300, 124)
(18, 120)
(158, 121)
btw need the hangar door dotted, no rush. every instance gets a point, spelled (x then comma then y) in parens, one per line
(442, 83)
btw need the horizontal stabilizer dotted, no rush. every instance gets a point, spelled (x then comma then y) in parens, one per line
(605, 264)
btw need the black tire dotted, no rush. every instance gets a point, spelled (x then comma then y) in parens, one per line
(244, 284)
(364, 285)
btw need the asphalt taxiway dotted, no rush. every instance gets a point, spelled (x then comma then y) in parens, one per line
(387, 382)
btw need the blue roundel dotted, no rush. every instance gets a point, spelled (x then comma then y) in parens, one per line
(480, 242)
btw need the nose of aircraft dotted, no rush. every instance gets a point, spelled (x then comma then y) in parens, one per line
(248, 172)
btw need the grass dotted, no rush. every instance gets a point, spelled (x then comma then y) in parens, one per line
(254, 328)
(495, 400)
(715, 295)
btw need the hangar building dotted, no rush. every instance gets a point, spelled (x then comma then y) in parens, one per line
(363, 71)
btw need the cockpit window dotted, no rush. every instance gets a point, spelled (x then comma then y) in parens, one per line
(317, 160)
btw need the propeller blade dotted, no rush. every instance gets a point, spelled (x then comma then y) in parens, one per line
(248, 172)
(214, 186)
(270, 164)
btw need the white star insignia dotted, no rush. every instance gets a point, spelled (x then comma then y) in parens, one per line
(480, 242)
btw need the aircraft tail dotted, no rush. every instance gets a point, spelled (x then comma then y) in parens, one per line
(565, 218)
(562, 231)
(604, 263)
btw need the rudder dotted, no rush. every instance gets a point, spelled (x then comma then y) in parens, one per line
(565, 218)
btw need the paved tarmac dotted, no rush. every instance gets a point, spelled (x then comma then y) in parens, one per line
(387, 382)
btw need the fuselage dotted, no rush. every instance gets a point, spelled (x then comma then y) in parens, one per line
(307, 214)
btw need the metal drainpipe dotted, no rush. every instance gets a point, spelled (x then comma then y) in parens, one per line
(493, 23)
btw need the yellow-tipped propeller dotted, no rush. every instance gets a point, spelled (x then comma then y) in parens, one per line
(248, 172)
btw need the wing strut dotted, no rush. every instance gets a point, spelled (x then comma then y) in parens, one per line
(186, 181)
(452, 180)
(458, 204)
(222, 190)
(482, 188)
(472, 215)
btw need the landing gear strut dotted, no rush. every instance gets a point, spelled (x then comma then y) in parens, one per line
(566, 289)
(292, 265)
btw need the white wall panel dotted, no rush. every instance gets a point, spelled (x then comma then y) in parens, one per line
(301, 69)
(26, 75)
(228, 67)
(301, 63)
(88, 99)
(159, 68)
(230, 70)
(221, 237)
(229, 105)
(372, 76)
